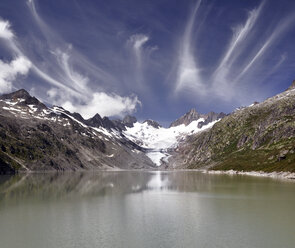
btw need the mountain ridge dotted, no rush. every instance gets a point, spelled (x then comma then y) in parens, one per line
(36, 137)
(193, 115)
(260, 137)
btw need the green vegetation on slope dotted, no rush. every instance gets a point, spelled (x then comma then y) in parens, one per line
(257, 138)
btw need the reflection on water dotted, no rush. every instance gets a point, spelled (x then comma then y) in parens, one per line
(145, 209)
(60, 185)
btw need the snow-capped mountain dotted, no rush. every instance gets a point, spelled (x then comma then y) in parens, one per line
(193, 115)
(260, 137)
(34, 136)
(159, 140)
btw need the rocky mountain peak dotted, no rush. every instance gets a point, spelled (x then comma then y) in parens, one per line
(96, 117)
(22, 93)
(108, 124)
(95, 121)
(78, 117)
(129, 120)
(193, 115)
(193, 111)
(186, 119)
(27, 99)
(152, 123)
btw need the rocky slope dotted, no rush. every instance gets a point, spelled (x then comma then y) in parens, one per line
(193, 115)
(260, 137)
(35, 137)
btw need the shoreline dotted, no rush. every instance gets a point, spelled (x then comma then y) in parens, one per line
(276, 175)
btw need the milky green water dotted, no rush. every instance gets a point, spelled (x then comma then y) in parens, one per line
(146, 209)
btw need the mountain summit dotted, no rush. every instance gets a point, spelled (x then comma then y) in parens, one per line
(22, 93)
(22, 97)
(34, 137)
(260, 137)
(186, 119)
(193, 115)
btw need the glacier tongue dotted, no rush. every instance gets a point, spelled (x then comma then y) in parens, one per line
(158, 141)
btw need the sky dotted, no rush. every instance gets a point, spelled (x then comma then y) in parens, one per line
(155, 59)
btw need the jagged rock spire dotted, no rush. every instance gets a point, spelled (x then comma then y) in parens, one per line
(186, 119)
(22, 93)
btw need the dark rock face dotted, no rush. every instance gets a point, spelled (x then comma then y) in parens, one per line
(28, 99)
(259, 137)
(186, 119)
(22, 93)
(121, 125)
(95, 121)
(78, 117)
(193, 115)
(129, 120)
(36, 138)
(108, 124)
(210, 117)
(152, 123)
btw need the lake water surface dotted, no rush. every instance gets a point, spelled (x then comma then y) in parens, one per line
(146, 209)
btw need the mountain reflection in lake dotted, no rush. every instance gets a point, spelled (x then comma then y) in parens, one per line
(145, 209)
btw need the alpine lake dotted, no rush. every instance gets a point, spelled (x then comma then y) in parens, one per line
(146, 209)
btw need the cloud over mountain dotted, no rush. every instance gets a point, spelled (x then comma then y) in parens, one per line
(163, 55)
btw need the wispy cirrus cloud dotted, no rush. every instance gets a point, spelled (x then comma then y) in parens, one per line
(188, 74)
(222, 76)
(214, 55)
(136, 42)
(5, 30)
(70, 87)
(281, 27)
(248, 45)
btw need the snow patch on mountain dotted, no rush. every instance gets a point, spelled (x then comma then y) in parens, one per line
(149, 137)
(158, 141)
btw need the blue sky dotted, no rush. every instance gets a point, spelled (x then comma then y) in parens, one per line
(155, 59)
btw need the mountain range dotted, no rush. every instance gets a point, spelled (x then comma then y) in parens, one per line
(260, 137)
(34, 137)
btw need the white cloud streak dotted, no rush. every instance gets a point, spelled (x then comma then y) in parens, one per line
(74, 93)
(236, 66)
(69, 86)
(283, 26)
(240, 34)
(188, 75)
(222, 78)
(137, 42)
(5, 30)
(10, 71)
(104, 104)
